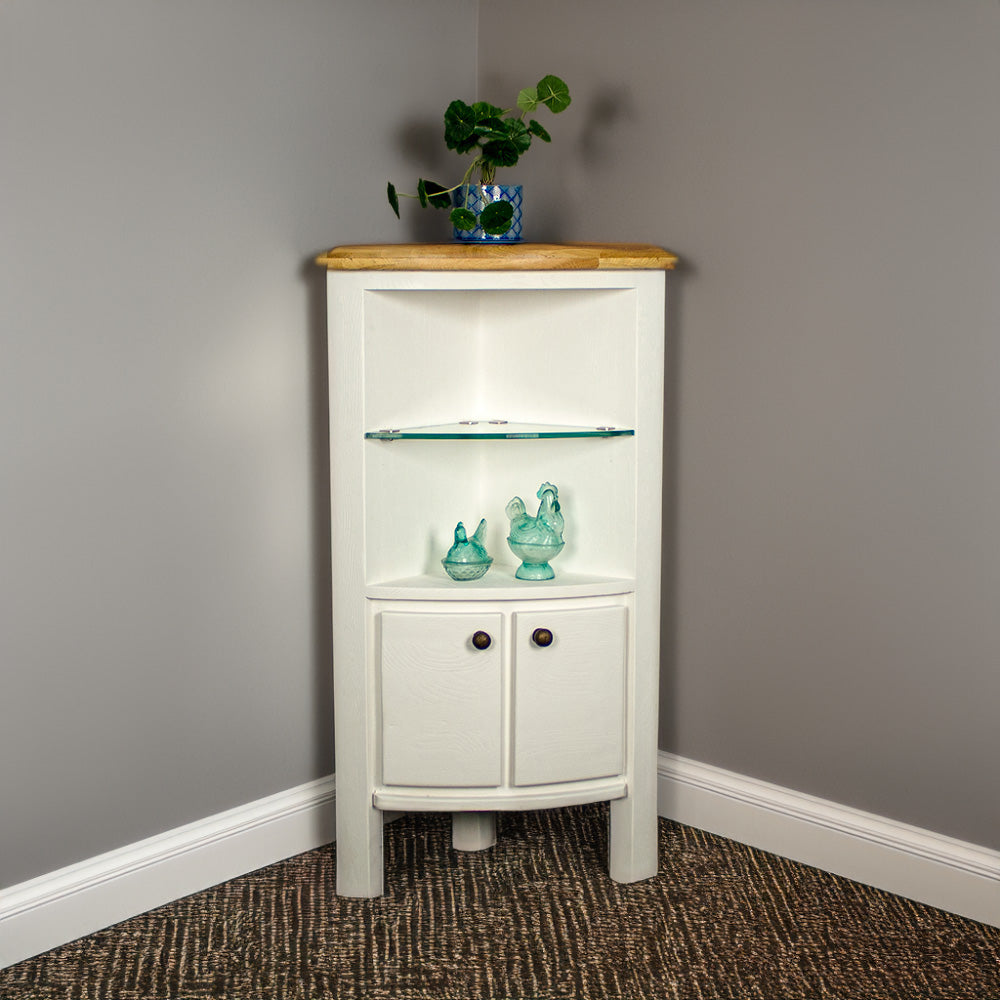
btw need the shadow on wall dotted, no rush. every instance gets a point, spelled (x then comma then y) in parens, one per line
(608, 108)
(670, 505)
(421, 143)
(585, 151)
(314, 278)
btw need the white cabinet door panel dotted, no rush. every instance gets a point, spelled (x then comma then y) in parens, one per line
(569, 696)
(441, 699)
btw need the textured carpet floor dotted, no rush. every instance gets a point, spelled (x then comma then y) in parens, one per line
(533, 917)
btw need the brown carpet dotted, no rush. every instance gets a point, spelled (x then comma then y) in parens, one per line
(534, 917)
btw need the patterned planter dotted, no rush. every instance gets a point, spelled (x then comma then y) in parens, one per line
(476, 197)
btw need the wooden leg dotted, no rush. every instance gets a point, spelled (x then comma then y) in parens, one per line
(473, 831)
(359, 848)
(633, 839)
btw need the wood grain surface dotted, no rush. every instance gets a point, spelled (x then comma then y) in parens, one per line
(498, 257)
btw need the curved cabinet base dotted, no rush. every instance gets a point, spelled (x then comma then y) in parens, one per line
(497, 799)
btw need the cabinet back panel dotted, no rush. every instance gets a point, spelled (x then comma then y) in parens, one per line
(563, 356)
(417, 491)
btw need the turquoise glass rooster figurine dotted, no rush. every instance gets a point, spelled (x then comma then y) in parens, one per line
(536, 540)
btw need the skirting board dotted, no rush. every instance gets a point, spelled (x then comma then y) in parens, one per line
(943, 872)
(63, 905)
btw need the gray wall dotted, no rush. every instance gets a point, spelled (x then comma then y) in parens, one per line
(168, 170)
(829, 173)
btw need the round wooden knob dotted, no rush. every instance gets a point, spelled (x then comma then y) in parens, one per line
(541, 637)
(481, 640)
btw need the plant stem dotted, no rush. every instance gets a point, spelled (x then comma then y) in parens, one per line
(462, 183)
(487, 175)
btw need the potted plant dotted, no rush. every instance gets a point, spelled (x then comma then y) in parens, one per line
(497, 137)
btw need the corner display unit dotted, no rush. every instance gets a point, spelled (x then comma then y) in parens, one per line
(461, 377)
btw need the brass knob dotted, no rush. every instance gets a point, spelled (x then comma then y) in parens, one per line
(481, 640)
(541, 637)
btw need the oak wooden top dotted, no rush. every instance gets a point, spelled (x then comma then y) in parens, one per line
(498, 257)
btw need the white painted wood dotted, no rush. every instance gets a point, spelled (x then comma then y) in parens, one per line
(569, 713)
(440, 699)
(479, 353)
(435, 714)
(413, 724)
(633, 834)
(409, 530)
(504, 799)
(61, 906)
(359, 824)
(928, 867)
(633, 853)
(473, 831)
(499, 584)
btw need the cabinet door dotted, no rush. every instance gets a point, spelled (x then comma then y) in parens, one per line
(440, 699)
(569, 695)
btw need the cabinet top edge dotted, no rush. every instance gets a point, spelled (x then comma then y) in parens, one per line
(498, 257)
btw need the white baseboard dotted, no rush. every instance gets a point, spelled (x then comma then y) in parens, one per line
(69, 903)
(950, 874)
(63, 905)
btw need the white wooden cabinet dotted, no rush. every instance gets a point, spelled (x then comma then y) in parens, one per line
(461, 376)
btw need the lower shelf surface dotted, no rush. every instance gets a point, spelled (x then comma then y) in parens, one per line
(499, 584)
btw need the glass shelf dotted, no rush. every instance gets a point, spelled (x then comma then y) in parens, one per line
(493, 430)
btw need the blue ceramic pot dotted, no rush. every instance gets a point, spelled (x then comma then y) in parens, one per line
(476, 197)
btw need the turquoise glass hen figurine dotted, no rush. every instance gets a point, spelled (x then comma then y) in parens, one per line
(536, 540)
(467, 559)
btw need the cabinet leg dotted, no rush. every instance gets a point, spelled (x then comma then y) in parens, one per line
(473, 831)
(359, 850)
(633, 839)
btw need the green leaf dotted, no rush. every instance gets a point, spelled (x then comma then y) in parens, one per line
(393, 198)
(462, 218)
(496, 218)
(501, 153)
(553, 93)
(535, 129)
(484, 110)
(492, 128)
(437, 196)
(422, 193)
(459, 124)
(527, 99)
(518, 134)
